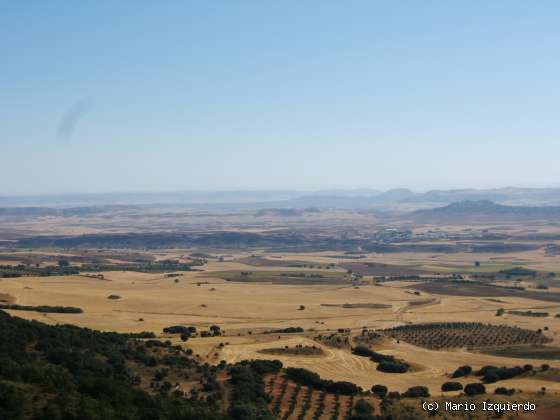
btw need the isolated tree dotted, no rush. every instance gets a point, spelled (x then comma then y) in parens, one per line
(475, 389)
(452, 386)
(504, 391)
(379, 390)
(363, 408)
(417, 392)
(462, 371)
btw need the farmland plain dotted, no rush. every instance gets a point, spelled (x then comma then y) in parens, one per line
(279, 286)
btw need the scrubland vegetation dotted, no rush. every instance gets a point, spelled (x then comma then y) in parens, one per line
(66, 372)
(44, 309)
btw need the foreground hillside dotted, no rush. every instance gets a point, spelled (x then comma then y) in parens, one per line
(67, 372)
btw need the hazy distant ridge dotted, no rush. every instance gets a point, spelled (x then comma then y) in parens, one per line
(484, 210)
(336, 198)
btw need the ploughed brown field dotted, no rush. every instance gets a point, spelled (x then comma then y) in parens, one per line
(481, 290)
(378, 269)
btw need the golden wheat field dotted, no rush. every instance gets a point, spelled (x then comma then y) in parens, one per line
(246, 310)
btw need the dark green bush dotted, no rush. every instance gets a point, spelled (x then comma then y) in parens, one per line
(379, 390)
(417, 392)
(475, 389)
(462, 371)
(452, 386)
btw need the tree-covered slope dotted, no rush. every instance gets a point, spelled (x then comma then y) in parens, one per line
(66, 372)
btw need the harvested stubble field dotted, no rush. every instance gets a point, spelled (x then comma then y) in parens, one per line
(244, 310)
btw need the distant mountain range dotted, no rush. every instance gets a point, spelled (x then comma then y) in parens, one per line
(510, 195)
(484, 211)
(39, 211)
(401, 199)
(406, 199)
(148, 198)
(462, 212)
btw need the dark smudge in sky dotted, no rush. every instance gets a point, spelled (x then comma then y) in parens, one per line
(72, 117)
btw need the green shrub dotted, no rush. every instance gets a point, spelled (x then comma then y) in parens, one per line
(451, 386)
(379, 390)
(417, 392)
(475, 389)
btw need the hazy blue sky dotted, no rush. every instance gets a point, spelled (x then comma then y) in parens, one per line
(165, 95)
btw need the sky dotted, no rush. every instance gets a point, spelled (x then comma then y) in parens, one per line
(102, 96)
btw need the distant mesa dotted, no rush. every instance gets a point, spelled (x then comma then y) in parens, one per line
(268, 203)
(483, 210)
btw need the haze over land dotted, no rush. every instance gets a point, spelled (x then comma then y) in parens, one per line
(279, 210)
(362, 287)
(335, 198)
